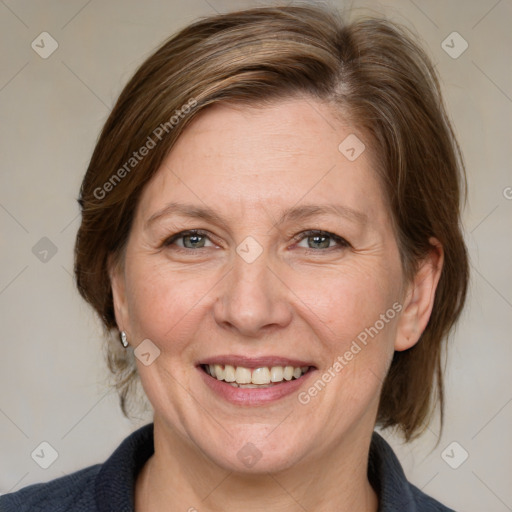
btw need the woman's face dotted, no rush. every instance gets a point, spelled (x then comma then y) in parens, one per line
(253, 289)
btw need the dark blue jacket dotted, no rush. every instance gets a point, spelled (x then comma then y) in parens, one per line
(109, 487)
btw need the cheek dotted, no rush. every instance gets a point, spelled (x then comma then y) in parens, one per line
(343, 303)
(354, 317)
(163, 304)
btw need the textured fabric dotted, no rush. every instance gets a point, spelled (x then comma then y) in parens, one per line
(109, 487)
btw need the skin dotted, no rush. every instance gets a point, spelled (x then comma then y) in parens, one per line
(298, 299)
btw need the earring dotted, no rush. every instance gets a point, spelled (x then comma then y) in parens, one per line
(124, 340)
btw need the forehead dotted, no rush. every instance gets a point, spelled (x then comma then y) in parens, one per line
(239, 158)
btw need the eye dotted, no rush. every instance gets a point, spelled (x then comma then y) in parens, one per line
(191, 239)
(318, 240)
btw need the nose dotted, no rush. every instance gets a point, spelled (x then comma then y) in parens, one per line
(253, 300)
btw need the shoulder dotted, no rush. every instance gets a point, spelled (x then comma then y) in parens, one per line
(388, 479)
(425, 503)
(103, 487)
(71, 493)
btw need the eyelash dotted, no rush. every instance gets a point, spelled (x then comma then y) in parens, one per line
(342, 243)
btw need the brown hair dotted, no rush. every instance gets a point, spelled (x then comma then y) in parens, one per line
(374, 75)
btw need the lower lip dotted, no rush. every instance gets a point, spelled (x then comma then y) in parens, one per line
(254, 396)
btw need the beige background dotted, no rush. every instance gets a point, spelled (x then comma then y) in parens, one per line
(52, 375)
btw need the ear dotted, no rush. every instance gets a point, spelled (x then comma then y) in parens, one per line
(118, 285)
(419, 298)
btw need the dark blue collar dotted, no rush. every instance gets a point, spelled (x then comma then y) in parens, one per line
(115, 483)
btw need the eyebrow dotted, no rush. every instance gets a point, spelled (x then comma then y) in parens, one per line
(295, 213)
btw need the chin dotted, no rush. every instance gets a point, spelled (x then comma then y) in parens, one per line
(252, 459)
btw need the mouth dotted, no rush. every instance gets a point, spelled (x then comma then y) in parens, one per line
(239, 376)
(258, 381)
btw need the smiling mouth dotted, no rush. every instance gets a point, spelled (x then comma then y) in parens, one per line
(263, 377)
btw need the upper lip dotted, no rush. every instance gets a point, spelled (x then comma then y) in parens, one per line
(255, 362)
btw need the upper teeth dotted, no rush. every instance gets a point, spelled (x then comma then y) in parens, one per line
(263, 375)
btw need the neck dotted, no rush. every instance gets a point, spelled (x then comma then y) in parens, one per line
(179, 474)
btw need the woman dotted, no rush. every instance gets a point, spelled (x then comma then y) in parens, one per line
(270, 223)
